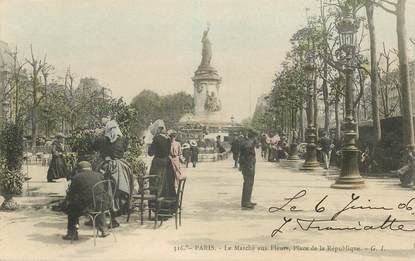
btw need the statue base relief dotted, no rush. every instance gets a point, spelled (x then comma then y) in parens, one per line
(209, 119)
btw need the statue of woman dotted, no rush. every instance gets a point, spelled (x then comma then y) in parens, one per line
(207, 50)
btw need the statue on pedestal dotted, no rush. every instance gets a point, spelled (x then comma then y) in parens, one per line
(206, 50)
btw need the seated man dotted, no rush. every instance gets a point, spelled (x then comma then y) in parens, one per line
(79, 199)
(407, 167)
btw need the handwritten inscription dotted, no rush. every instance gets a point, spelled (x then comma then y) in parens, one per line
(331, 220)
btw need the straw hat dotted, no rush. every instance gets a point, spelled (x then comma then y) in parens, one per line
(193, 143)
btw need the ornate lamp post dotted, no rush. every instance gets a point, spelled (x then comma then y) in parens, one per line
(311, 162)
(349, 176)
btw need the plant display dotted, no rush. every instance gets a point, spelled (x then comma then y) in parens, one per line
(11, 159)
(133, 158)
(82, 141)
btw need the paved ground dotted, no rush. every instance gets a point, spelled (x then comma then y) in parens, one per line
(215, 228)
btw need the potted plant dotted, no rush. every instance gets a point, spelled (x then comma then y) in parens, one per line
(11, 159)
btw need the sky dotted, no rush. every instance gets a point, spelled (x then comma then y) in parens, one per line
(132, 45)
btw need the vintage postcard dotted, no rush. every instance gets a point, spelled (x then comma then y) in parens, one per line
(207, 130)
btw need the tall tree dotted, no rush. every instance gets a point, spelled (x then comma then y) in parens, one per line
(37, 65)
(398, 8)
(16, 82)
(373, 70)
(150, 106)
(389, 90)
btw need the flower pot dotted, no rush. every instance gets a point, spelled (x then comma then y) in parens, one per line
(9, 203)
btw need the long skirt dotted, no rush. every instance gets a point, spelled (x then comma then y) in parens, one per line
(57, 169)
(120, 172)
(163, 168)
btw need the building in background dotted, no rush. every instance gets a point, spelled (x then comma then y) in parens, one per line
(5, 63)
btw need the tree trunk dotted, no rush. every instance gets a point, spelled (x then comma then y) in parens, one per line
(34, 113)
(301, 132)
(408, 127)
(47, 107)
(337, 118)
(315, 104)
(377, 132)
(326, 101)
(357, 119)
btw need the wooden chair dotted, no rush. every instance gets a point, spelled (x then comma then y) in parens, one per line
(148, 190)
(103, 201)
(176, 201)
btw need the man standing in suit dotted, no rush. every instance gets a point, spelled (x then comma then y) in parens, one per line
(235, 150)
(194, 152)
(247, 160)
(326, 147)
(79, 199)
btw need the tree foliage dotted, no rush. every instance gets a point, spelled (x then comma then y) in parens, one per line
(150, 106)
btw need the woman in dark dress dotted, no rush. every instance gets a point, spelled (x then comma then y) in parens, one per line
(57, 168)
(160, 149)
(162, 167)
(112, 146)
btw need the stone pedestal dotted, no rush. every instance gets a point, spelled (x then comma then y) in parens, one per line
(208, 120)
(311, 162)
(293, 152)
(349, 175)
(206, 83)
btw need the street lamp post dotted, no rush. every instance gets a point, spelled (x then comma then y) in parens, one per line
(311, 162)
(293, 148)
(349, 176)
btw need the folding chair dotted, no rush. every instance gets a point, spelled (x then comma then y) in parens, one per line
(148, 190)
(167, 201)
(103, 201)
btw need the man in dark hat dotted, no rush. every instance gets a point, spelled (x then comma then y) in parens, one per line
(247, 160)
(326, 145)
(219, 145)
(194, 149)
(235, 150)
(79, 199)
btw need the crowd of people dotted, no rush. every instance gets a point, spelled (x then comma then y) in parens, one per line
(275, 147)
(110, 145)
(169, 155)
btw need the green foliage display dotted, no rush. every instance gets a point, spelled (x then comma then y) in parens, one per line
(11, 159)
(12, 146)
(11, 181)
(125, 115)
(81, 141)
(132, 156)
